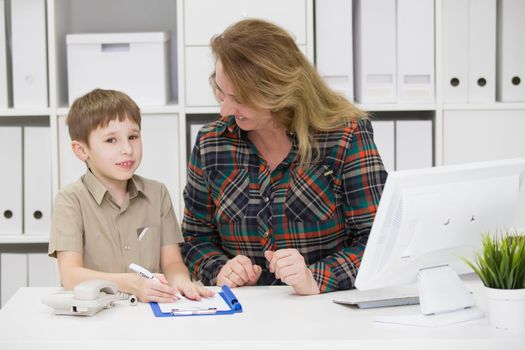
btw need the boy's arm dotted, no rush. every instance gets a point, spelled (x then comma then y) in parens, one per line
(72, 272)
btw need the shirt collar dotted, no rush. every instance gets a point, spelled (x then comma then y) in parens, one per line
(228, 126)
(97, 189)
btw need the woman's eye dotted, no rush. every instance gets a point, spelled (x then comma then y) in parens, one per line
(134, 137)
(220, 95)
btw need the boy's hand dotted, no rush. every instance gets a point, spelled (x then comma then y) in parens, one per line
(239, 271)
(150, 290)
(190, 289)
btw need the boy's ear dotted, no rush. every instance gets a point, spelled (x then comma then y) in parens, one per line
(80, 150)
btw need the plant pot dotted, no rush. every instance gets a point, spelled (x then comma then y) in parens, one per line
(506, 307)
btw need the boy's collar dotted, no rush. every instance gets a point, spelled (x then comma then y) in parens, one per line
(98, 190)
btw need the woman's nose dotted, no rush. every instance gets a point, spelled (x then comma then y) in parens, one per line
(228, 107)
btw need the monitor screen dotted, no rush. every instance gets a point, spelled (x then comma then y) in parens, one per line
(432, 217)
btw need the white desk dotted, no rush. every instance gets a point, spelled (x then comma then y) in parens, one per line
(273, 318)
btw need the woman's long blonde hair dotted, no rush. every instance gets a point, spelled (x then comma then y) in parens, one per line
(267, 70)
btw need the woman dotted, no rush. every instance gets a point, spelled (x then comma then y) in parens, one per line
(285, 186)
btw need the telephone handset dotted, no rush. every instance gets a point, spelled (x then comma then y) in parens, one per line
(87, 298)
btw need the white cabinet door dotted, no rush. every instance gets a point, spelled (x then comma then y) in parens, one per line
(42, 271)
(160, 155)
(205, 18)
(413, 144)
(384, 138)
(475, 136)
(13, 274)
(71, 168)
(199, 66)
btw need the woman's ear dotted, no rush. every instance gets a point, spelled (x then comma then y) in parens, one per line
(80, 149)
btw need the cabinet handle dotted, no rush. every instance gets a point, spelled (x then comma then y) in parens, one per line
(8, 214)
(454, 82)
(516, 80)
(114, 47)
(482, 82)
(37, 214)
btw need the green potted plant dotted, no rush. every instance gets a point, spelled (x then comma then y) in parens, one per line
(501, 268)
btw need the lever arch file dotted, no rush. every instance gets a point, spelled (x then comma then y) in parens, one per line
(223, 302)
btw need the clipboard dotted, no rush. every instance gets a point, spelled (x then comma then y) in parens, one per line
(232, 306)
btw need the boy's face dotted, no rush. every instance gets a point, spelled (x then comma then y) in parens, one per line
(114, 152)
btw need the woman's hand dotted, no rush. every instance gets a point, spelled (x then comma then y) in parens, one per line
(151, 290)
(289, 266)
(239, 271)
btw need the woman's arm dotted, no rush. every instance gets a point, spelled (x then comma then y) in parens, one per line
(202, 249)
(363, 178)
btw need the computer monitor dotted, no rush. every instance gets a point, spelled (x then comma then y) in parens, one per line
(429, 218)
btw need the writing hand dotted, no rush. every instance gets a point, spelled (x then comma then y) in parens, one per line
(151, 290)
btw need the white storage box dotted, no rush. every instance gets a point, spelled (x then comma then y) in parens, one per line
(135, 63)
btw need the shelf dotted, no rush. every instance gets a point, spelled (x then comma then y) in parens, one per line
(496, 106)
(172, 108)
(22, 112)
(16, 239)
(396, 107)
(202, 110)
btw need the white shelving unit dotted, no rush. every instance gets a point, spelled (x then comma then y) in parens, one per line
(191, 23)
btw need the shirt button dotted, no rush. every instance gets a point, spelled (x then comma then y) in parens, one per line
(267, 233)
(127, 247)
(266, 199)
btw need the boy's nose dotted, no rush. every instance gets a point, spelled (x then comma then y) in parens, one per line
(126, 148)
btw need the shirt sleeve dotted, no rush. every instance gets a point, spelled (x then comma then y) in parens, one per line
(67, 228)
(171, 232)
(363, 177)
(201, 251)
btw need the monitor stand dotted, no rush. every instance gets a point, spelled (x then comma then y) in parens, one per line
(443, 300)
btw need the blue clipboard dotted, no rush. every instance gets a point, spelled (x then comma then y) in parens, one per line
(226, 293)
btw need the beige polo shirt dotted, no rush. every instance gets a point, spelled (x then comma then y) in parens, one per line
(87, 220)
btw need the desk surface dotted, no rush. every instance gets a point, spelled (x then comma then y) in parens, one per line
(273, 318)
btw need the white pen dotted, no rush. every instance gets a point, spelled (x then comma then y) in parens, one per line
(147, 274)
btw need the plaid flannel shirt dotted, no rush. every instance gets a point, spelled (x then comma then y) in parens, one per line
(235, 205)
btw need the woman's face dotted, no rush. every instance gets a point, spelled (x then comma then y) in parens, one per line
(247, 118)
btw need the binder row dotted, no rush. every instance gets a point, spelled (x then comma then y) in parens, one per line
(23, 69)
(386, 50)
(404, 144)
(25, 180)
(19, 270)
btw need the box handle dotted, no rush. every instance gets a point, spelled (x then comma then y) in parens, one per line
(115, 47)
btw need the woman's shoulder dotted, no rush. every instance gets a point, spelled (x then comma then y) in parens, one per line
(216, 128)
(346, 130)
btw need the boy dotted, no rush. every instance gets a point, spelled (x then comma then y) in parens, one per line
(110, 217)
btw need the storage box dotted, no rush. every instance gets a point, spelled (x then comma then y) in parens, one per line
(135, 63)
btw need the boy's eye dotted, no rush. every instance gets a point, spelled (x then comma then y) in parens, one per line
(134, 137)
(111, 140)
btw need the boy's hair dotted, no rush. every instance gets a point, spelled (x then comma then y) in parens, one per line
(96, 109)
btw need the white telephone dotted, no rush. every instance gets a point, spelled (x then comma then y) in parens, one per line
(87, 298)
